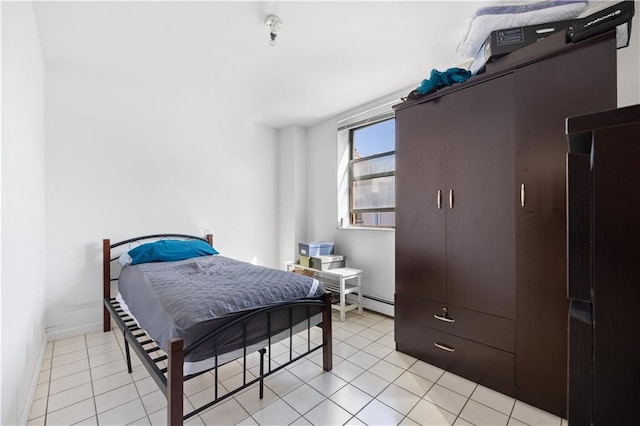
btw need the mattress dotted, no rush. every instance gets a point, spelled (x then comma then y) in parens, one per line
(512, 15)
(194, 367)
(192, 298)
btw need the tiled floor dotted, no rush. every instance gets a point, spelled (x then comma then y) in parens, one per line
(84, 381)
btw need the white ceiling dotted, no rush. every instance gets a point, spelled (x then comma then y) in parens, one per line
(329, 57)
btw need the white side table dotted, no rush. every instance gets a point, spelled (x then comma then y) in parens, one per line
(341, 280)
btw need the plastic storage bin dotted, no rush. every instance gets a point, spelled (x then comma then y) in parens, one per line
(316, 248)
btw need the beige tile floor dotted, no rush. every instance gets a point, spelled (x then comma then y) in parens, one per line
(84, 381)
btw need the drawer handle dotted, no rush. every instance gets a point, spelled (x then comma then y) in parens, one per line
(444, 347)
(442, 318)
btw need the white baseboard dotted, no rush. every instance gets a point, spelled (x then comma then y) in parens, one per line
(26, 409)
(50, 337)
(73, 331)
(374, 305)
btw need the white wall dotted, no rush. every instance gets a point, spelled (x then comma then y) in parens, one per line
(125, 160)
(629, 65)
(23, 211)
(292, 185)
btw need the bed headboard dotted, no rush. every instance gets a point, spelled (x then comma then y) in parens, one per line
(108, 257)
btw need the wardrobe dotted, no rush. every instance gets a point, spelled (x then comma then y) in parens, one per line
(604, 289)
(480, 217)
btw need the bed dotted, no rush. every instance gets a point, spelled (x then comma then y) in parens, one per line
(190, 310)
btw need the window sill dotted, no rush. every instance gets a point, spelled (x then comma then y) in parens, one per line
(362, 228)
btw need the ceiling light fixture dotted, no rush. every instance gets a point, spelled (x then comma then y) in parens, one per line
(274, 24)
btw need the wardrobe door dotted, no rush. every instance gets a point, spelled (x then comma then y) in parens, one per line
(616, 292)
(481, 197)
(420, 213)
(547, 92)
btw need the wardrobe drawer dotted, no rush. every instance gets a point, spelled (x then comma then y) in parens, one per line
(482, 328)
(483, 364)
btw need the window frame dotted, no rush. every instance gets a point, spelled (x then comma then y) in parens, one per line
(353, 211)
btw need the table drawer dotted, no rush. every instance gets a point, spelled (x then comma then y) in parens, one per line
(482, 328)
(483, 364)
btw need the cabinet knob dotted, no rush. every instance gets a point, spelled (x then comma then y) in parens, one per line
(444, 317)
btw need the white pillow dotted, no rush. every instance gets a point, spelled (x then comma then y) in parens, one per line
(125, 259)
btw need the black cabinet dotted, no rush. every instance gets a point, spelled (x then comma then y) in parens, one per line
(481, 217)
(604, 286)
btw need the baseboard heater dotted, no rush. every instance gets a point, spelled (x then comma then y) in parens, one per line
(378, 299)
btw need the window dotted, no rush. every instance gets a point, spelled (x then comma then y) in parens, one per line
(372, 175)
(366, 170)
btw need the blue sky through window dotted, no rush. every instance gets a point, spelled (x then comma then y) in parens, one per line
(375, 139)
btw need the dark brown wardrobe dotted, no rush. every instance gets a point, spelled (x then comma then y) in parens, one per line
(480, 217)
(603, 169)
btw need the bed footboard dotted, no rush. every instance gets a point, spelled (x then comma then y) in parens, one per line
(170, 379)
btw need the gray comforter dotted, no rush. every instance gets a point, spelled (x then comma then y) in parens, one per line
(190, 298)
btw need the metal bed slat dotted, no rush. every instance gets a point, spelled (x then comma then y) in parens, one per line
(160, 358)
(153, 369)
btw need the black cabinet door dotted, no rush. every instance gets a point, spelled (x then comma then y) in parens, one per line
(420, 223)
(481, 196)
(547, 92)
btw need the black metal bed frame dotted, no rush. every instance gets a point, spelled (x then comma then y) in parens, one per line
(170, 379)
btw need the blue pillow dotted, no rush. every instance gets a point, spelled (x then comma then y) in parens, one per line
(170, 251)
